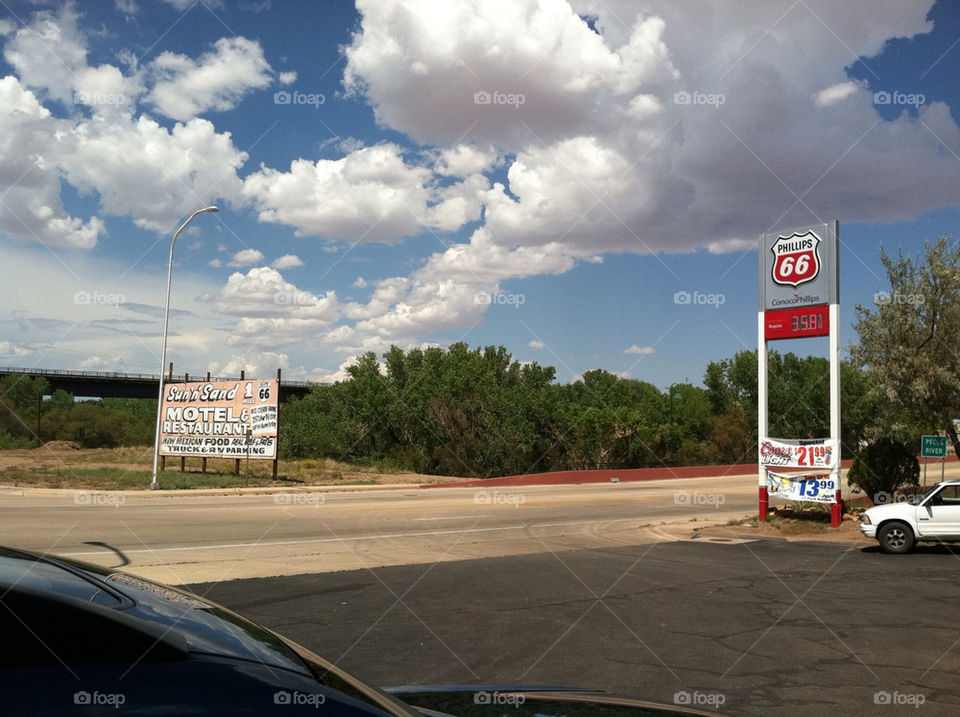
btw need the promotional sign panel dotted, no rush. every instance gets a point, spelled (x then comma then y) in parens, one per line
(812, 453)
(813, 487)
(213, 419)
(798, 267)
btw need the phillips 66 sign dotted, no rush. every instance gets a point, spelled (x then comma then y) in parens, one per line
(796, 259)
(798, 268)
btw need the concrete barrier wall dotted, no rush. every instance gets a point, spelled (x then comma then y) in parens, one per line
(625, 474)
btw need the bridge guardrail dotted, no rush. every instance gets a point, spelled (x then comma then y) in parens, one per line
(138, 377)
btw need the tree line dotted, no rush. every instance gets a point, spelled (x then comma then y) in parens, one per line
(30, 415)
(478, 412)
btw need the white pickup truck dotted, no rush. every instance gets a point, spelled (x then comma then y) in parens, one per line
(933, 515)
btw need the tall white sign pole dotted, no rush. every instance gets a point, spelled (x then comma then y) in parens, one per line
(836, 517)
(763, 421)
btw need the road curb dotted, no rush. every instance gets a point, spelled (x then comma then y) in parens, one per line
(631, 475)
(6, 490)
(624, 475)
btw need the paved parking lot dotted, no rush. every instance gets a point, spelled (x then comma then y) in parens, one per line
(763, 627)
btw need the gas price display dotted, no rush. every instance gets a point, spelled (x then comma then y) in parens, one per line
(797, 323)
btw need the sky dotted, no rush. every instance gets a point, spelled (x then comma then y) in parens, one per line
(546, 175)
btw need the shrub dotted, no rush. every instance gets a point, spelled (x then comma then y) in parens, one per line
(8, 442)
(883, 467)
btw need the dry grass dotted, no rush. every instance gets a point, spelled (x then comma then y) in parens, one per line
(60, 466)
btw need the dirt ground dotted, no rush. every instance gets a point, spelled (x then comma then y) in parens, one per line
(63, 457)
(792, 524)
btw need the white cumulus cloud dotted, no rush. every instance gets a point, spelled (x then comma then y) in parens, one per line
(263, 292)
(247, 257)
(287, 261)
(140, 169)
(835, 93)
(370, 194)
(184, 88)
(31, 207)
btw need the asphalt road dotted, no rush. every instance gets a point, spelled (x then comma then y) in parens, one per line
(764, 627)
(210, 538)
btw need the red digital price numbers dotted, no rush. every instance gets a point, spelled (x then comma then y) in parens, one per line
(797, 323)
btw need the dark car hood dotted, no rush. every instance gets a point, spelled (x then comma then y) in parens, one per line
(527, 700)
(205, 626)
(190, 622)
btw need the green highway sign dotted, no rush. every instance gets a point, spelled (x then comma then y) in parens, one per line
(933, 447)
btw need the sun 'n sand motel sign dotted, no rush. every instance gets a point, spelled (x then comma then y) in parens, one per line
(799, 298)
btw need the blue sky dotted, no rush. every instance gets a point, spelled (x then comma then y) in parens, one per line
(543, 175)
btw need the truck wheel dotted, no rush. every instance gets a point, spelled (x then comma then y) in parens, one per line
(896, 537)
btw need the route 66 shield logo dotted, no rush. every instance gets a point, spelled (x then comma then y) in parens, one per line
(796, 259)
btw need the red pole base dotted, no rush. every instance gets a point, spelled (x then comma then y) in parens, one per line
(836, 512)
(764, 503)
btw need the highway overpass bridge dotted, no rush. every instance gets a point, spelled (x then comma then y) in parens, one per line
(109, 384)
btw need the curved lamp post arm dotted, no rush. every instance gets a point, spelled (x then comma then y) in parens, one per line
(163, 350)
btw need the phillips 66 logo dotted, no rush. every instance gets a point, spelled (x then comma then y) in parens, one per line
(796, 259)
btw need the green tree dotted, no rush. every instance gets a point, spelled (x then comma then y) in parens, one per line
(456, 410)
(798, 400)
(86, 423)
(139, 416)
(883, 467)
(604, 421)
(19, 399)
(94, 424)
(861, 402)
(60, 399)
(732, 436)
(910, 342)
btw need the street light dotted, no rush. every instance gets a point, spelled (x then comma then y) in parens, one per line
(163, 350)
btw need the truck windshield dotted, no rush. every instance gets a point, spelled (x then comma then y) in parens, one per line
(918, 498)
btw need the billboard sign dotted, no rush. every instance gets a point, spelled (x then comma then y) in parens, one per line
(798, 267)
(212, 419)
